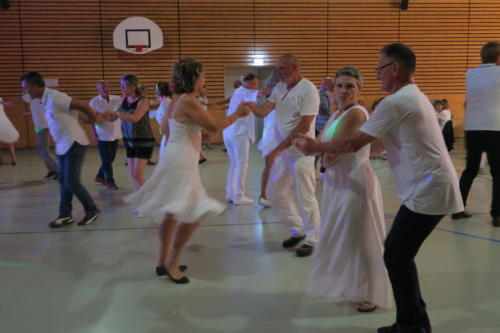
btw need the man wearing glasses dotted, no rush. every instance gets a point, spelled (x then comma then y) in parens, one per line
(426, 180)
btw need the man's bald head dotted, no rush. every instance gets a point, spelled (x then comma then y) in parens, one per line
(288, 68)
(102, 87)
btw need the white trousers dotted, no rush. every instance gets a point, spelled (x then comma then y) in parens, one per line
(292, 192)
(238, 150)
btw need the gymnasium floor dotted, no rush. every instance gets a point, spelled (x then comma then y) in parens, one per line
(100, 278)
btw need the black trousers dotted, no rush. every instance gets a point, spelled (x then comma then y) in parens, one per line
(477, 143)
(107, 151)
(407, 234)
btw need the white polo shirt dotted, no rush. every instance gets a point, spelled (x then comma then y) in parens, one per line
(63, 122)
(483, 98)
(37, 113)
(108, 130)
(291, 105)
(426, 180)
(245, 125)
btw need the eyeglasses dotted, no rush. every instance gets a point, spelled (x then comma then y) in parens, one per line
(378, 69)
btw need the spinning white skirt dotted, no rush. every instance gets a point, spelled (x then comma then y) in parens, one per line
(8, 132)
(175, 186)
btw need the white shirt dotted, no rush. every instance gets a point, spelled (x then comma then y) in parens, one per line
(245, 125)
(63, 122)
(426, 180)
(37, 113)
(108, 130)
(443, 117)
(291, 105)
(483, 98)
(160, 113)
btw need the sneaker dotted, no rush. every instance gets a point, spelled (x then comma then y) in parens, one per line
(51, 175)
(243, 200)
(151, 162)
(304, 251)
(89, 218)
(61, 221)
(265, 203)
(112, 185)
(201, 161)
(292, 241)
(100, 180)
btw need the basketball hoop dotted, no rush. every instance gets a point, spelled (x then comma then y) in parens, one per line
(138, 48)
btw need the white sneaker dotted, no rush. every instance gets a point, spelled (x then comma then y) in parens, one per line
(243, 200)
(265, 203)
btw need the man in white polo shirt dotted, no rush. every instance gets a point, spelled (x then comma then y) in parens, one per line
(70, 142)
(292, 181)
(482, 126)
(237, 139)
(108, 133)
(426, 179)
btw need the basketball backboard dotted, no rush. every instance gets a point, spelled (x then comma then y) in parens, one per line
(137, 35)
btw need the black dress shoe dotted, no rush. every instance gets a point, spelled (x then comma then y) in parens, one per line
(161, 271)
(389, 329)
(292, 241)
(395, 328)
(304, 251)
(496, 222)
(461, 215)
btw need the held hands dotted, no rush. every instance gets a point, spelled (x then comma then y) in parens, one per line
(305, 144)
(244, 109)
(111, 115)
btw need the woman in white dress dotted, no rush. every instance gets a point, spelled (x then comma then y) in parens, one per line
(348, 262)
(268, 141)
(174, 195)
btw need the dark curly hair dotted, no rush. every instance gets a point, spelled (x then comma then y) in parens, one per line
(185, 74)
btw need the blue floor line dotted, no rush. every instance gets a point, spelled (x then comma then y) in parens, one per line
(458, 232)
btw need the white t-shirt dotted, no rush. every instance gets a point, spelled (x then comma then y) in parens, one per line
(63, 122)
(245, 125)
(37, 113)
(443, 117)
(426, 180)
(108, 130)
(291, 105)
(483, 98)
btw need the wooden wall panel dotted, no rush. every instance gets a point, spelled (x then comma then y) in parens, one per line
(294, 26)
(72, 40)
(356, 32)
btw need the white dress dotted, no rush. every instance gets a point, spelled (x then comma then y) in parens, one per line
(8, 132)
(268, 141)
(348, 260)
(175, 186)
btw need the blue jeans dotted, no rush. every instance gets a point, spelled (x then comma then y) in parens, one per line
(70, 167)
(107, 151)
